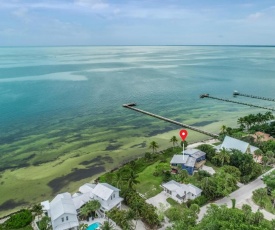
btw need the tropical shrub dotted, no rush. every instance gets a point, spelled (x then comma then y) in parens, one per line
(19, 220)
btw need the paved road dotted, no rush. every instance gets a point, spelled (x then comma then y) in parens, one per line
(243, 196)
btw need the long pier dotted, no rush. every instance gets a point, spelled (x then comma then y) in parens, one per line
(237, 102)
(236, 93)
(131, 106)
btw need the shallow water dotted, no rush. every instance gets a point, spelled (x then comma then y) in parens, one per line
(63, 105)
(56, 87)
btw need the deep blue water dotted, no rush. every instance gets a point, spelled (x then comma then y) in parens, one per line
(43, 86)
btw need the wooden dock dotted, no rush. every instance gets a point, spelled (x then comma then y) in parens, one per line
(236, 93)
(237, 102)
(131, 106)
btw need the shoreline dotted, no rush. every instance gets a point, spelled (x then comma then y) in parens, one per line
(96, 176)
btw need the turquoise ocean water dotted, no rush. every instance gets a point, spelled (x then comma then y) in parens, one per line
(77, 87)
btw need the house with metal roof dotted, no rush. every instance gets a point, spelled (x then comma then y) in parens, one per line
(63, 212)
(181, 192)
(108, 196)
(230, 143)
(190, 160)
(63, 209)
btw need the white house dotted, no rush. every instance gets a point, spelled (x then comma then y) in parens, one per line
(230, 143)
(63, 212)
(181, 192)
(80, 199)
(63, 209)
(107, 195)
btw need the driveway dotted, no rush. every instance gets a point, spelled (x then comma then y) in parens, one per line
(243, 196)
(159, 199)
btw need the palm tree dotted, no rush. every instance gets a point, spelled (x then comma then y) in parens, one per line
(133, 180)
(37, 210)
(174, 140)
(268, 116)
(241, 122)
(93, 205)
(107, 226)
(119, 175)
(84, 212)
(223, 156)
(154, 146)
(223, 129)
(82, 226)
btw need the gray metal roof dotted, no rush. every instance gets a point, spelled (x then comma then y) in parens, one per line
(198, 154)
(232, 143)
(67, 225)
(103, 191)
(81, 199)
(181, 189)
(87, 188)
(178, 159)
(190, 162)
(62, 204)
(194, 190)
(253, 149)
(190, 151)
(110, 187)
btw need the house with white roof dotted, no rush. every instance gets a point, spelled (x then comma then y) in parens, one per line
(63, 209)
(230, 143)
(107, 195)
(63, 213)
(80, 199)
(181, 192)
(190, 160)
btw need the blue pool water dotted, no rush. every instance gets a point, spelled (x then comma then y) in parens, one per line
(93, 226)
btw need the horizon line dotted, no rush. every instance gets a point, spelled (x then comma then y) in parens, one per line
(18, 46)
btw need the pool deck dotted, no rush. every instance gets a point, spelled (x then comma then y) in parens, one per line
(101, 221)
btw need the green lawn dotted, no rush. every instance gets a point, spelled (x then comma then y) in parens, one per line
(149, 184)
(208, 163)
(267, 202)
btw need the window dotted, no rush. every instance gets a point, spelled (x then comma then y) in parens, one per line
(67, 218)
(62, 219)
(114, 195)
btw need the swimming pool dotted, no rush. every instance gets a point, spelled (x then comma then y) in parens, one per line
(93, 226)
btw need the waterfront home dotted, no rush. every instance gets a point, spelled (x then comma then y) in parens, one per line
(190, 160)
(63, 213)
(64, 208)
(181, 192)
(107, 195)
(230, 143)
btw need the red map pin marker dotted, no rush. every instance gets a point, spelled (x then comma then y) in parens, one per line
(183, 134)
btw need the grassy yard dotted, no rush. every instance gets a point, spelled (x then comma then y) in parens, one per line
(208, 163)
(266, 200)
(149, 184)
